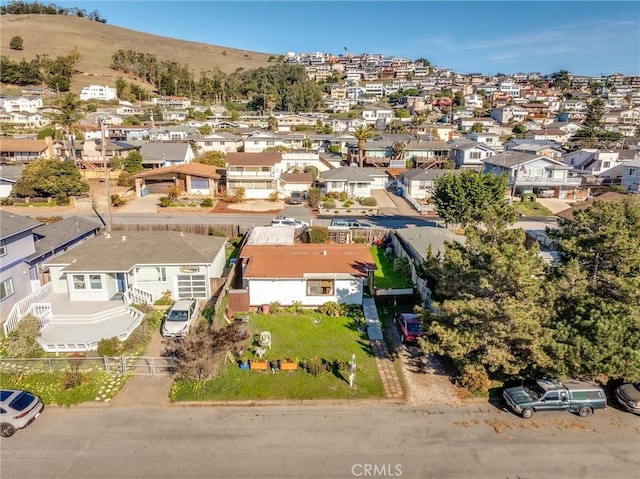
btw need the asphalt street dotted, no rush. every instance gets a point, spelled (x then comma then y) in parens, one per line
(338, 441)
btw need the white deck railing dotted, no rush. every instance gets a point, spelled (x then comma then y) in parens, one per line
(138, 296)
(43, 312)
(419, 207)
(23, 307)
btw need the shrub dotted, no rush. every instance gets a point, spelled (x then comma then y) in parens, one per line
(348, 203)
(369, 201)
(165, 201)
(528, 197)
(23, 339)
(109, 347)
(475, 378)
(401, 266)
(62, 199)
(207, 203)
(296, 307)
(318, 234)
(333, 194)
(343, 195)
(330, 308)
(359, 240)
(314, 367)
(126, 179)
(72, 378)
(275, 307)
(116, 200)
(273, 196)
(329, 204)
(216, 232)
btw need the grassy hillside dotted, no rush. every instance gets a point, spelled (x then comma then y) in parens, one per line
(57, 35)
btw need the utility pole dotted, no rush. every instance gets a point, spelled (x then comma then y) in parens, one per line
(102, 122)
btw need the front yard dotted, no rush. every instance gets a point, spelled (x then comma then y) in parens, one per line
(305, 337)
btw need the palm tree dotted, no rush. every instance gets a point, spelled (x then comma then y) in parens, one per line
(68, 119)
(362, 133)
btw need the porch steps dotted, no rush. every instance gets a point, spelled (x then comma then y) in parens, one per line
(67, 318)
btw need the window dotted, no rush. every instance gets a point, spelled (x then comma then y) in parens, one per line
(6, 288)
(200, 183)
(552, 396)
(632, 172)
(606, 164)
(319, 287)
(151, 274)
(474, 155)
(79, 281)
(3, 249)
(95, 281)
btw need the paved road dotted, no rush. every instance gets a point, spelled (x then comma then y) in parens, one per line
(477, 441)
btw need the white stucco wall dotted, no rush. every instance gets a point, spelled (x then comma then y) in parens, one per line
(286, 291)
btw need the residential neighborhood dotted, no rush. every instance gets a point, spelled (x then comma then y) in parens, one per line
(328, 233)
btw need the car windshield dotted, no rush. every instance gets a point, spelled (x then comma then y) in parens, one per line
(636, 385)
(414, 327)
(177, 315)
(535, 390)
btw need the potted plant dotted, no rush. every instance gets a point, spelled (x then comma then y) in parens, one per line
(258, 364)
(288, 364)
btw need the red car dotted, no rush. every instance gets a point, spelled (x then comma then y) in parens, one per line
(409, 326)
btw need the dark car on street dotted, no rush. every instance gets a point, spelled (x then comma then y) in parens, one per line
(409, 326)
(628, 396)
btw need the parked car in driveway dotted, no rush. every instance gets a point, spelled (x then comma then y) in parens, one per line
(409, 326)
(180, 317)
(288, 221)
(295, 198)
(628, 395)
(18, 409)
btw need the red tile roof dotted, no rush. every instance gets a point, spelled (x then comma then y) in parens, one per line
(294, 261)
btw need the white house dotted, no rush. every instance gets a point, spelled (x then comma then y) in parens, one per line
(469, 153)
(312, 274)
(223, 142)
(29, 104)
(631, 176)
(140, 262)
(593, 161)
(355, 181)
(257, 173)
(98, 92)
(530, 173)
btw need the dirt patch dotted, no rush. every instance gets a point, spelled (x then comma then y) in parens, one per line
(497, 425)
(425, 378)
(249, 206)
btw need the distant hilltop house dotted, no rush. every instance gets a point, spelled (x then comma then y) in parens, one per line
(98, 92)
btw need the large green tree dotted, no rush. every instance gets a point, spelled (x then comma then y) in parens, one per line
(50, 178)
(596, 292)
(362, 133)
(68, 120)
(491, 320)
(464, 197)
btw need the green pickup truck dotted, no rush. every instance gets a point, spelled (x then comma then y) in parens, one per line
(573, 395)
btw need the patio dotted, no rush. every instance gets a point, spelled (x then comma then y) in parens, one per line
(80, 325)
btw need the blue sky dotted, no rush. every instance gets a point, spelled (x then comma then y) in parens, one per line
(583, 37)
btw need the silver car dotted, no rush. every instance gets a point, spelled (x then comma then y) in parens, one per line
(18, 409)
(180, 317)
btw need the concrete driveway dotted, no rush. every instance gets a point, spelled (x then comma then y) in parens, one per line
(144, 204)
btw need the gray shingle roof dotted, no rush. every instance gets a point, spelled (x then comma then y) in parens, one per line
(422, 237)
(349, 173)
(11, 225)
(163, 151)
(430, 174)
(62, 232)
(103, 254)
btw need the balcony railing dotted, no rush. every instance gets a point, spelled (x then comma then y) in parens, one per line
(542, 181)
(250, 174)
(24, 307)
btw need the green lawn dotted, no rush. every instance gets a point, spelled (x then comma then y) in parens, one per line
(298, 336)
(532, 208)
(385, 276)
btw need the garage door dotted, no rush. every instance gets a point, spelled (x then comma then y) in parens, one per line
(192, 286)
(161, 187)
